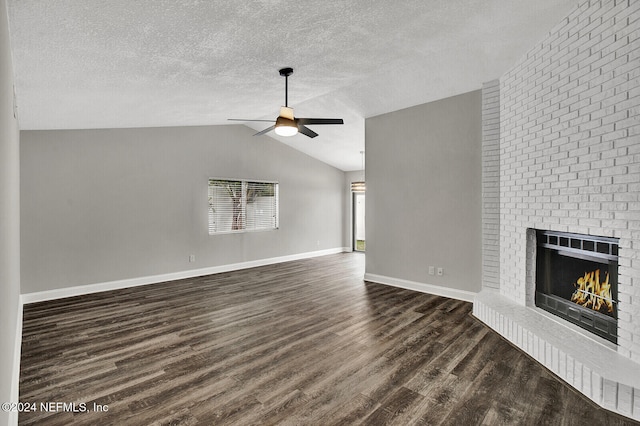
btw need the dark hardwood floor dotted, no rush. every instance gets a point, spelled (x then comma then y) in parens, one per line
(300, 343)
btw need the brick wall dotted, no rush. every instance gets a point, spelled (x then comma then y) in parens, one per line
(570, 147)
(491, 184)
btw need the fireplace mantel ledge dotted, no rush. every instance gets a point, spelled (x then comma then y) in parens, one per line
(565, 350)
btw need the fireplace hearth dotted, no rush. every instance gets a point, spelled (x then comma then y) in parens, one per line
(576, 279)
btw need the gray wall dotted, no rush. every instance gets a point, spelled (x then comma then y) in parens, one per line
(9, 217)
(424, 192)
(104, 205)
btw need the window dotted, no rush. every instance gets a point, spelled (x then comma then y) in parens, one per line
(241, 206)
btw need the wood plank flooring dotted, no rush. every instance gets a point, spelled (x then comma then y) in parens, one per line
(299, 343)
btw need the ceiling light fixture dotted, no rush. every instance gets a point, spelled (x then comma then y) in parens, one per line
(285, 123)
(285, 127)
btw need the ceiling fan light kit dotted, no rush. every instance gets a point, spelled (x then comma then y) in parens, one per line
(286, 123)
(285, 127)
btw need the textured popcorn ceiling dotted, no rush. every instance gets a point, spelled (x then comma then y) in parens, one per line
(141, 63)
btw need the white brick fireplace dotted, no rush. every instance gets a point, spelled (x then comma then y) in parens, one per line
(561, 152)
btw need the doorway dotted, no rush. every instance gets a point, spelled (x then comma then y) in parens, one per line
(359, 240)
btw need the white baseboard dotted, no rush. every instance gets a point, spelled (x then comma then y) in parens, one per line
(42, 296)
(452, 293)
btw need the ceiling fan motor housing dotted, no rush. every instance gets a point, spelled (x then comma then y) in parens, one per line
(286, 112)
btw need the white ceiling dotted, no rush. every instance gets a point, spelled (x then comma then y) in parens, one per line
(146, 63)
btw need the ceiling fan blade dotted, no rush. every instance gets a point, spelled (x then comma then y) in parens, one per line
(312, 121)
(242, 119)
(262, 132)
(306, 131)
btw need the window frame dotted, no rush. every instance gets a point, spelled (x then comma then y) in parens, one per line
(244, 184)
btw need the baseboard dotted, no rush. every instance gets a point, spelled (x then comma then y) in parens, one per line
(42, 296)
(437, 290)
(15, 379)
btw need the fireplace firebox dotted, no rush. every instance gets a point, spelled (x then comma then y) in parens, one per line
(577, 279)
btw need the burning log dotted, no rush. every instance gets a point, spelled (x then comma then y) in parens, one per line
(593, 294)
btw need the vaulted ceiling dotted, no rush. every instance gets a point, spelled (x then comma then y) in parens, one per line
(147, 63)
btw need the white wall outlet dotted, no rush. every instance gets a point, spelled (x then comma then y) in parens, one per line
(440, 272)
(432, 270)
(192, 258)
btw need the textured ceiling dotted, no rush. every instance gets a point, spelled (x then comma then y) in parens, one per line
(146, 63)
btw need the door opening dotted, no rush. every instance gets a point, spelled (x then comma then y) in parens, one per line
(359, 240)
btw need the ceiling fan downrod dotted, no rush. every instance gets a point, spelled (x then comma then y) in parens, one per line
(286, 72)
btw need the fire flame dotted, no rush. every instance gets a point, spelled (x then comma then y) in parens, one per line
(591, 293)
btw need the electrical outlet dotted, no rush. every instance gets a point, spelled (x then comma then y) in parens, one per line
(432, 270)
(440, 272)
(192, 258)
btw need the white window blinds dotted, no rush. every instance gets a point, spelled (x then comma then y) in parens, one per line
(241, 205)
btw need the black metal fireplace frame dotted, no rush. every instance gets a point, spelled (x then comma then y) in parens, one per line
(586, 247)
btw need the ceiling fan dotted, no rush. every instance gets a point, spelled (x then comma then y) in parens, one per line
(288, 125)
